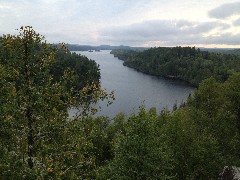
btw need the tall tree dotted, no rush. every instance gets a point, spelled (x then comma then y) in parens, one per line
(33, 105)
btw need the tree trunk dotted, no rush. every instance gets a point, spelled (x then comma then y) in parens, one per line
(30, 139)
(29, 118)
(238, 119)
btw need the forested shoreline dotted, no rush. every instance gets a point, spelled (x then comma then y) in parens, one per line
(39, 141)
(186, 63)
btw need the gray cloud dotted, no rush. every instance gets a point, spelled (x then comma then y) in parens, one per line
(226, 38)
(225, 10)
(110, 22)
(237, 22)
(166, 31)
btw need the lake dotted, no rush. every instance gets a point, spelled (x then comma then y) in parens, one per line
(133, 88)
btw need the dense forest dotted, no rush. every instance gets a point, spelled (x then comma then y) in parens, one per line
(39, 141)
(186, 63)
(222, 50)
(86, 71)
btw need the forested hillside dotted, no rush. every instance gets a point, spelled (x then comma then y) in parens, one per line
(75, 47)
(222, 50)
(85, 71)
(186, 63)
(193, 142)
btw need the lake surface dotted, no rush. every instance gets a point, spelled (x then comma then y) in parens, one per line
(133, 88)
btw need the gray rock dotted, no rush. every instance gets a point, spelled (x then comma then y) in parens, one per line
(230, 173)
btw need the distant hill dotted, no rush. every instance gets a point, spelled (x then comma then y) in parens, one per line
(235, 51)
(222, 50)
(75, 47)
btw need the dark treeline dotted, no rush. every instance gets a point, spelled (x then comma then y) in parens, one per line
(223, 50)
(85, 71)
(75, 47)
(186, 63)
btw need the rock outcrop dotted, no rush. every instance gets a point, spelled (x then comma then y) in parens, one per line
(230, 173)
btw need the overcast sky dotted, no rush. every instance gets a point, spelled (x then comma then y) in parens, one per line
(202, 23)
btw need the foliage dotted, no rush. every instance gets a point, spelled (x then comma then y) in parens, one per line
(186, 63)
(37, 137)
(85, 71)
(193, 142)
(139, 151)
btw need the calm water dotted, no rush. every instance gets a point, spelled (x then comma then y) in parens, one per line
(133, 88)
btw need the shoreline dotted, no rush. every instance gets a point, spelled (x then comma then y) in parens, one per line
(167, 77)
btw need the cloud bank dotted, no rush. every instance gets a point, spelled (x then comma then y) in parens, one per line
(170, 33)
(237, 22)
(225, 10)
(127, 22)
